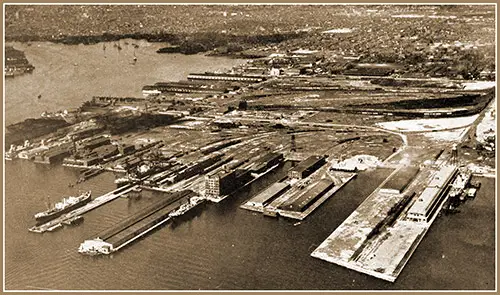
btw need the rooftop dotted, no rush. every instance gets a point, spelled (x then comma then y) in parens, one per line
(424, 201)
(270, 192)
(307, 163)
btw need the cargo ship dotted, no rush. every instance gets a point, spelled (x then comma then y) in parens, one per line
(64, 206)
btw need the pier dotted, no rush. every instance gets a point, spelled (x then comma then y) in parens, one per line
(299, 200)
(141, 223)
(380, 236)
(99, 201)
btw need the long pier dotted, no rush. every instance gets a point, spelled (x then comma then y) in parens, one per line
(379, 237)
(99, 201)
(277, 199)
(141, 223)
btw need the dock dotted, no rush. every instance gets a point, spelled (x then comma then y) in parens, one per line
(282, 198)
(300, 215)
(141, 223)
(99, 201)
(380, 236)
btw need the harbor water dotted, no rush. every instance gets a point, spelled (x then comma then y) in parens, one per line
(215, 246)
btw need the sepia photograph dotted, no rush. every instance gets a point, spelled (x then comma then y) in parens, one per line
(249, 147)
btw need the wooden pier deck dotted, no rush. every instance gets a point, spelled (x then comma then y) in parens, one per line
(368, 242)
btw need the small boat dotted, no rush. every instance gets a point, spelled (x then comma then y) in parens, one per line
(35, 229)
(297, 223)
(74, 220)
(134, 59)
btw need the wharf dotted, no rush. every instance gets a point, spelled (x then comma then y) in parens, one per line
(301, 215)
(272, 209)
(378, 239)
(141, 223)
(99, 201)
(258, 202)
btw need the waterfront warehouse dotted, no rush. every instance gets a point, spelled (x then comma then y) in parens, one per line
(268, 195)
(306, 167)
(398, 182)
(308, 197)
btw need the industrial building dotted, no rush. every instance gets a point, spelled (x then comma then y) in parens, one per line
(87, 161)
(53, 155)
(218, 146)
(308, 197)
(267, 161)
(306, 167)
(85, 132)
(93, 142)
(126, 149)
(220, 182)
(198, 166)
(421, 210)
(187, 87)
(150, 90)
(127, 163)
(268, 195)
(225, 77)
(443, 176)
(400, 181)
(427, 203)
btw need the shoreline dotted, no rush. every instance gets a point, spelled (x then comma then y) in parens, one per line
(204, 42)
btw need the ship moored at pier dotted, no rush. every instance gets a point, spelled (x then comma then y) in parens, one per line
(66, 205)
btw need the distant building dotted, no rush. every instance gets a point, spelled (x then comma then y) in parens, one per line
(274, 72)
(150, 90)
(225, 77)
(93, 142)
(126, 149)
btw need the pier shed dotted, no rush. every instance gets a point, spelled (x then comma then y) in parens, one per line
(266, 162)
(400, 181)
(268, 195)
(225, 77)
(306, 167)
(308, 197)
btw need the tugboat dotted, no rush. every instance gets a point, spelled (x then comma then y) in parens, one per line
(64, 206)
(74, 220)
